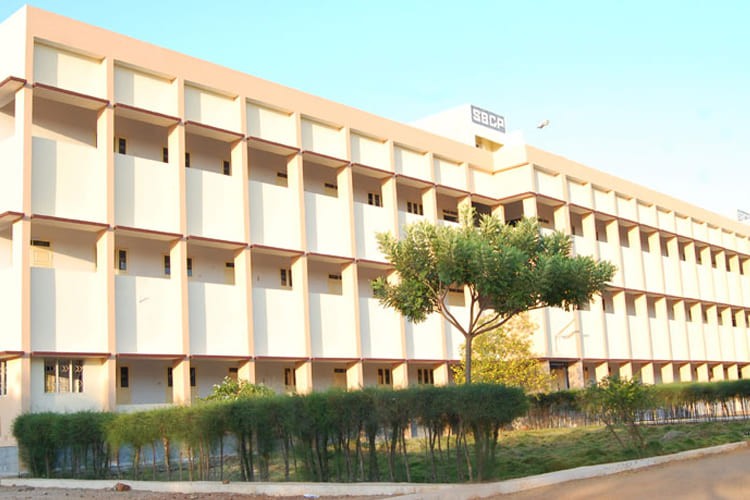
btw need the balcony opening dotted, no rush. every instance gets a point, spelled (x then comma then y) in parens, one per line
(320, 179)
(208, 153)
(141, 139)
(61, 122)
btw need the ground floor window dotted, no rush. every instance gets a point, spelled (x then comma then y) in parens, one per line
(425, 376)
(3, 378)
(63, 375)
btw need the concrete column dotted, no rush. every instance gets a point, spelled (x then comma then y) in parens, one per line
(667, 373)
(647, 374)
(601, 371)
(350, 285)
(303, 376)
(745, 371)
(441, 374)
(243, 275)
(181, 390)
(429, 200)
(562, 219)
(529, 207)
(246, 371)
(702, 371)
(733, 372)
(21, 239)
(686, 373)
(717, 372)
(105, 271)
(499, 212)
(355, 378)
(400, 375)
(625, 371)
(575, 375)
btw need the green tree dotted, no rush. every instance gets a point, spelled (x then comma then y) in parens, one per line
(618, 403)
(231, 389)
(504, 356)
(507, 270)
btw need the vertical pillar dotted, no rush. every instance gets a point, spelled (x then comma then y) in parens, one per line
(529, 207)
(717, 372)
(733, 372)
(686, 372)
(575, 375)
(647, 374)
(400, 374)
(703, 372)
(429, 201)
(246, 371)
(441, 374)
(625, 371)
(745, 371)
(181, 393)
(667, 373)
(355, 378)
(562, 219)
(601, 371)
(303, 376)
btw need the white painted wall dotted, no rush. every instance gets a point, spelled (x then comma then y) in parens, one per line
(147, 315)
(214, 205)
(411, 163)
(148, 383)
(94, 388)
(13, 34)
(273, 221)
(278, 323)
(380, 330)
(370, 152)
(10, 305)
(145, 91)
(64, 321)
(548, 184)
(209, 108)
(323, 139)
(450, 173)
(11, 178)
(218, 319)
(271, 125)
(368, 221)
(424, 340)
(67, 182)
(482, 183)
(327, 225)
(68, 70)
(146, 195)
(332, 329)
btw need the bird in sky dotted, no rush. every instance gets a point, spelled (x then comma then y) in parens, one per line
(543, 124)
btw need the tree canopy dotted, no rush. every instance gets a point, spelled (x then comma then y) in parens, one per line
(506, 269)
(504, 356)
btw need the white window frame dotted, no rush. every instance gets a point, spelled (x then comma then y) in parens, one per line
(63, 376)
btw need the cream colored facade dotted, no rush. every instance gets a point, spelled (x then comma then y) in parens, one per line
(165, 222)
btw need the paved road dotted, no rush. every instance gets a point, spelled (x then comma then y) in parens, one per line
(723, 476)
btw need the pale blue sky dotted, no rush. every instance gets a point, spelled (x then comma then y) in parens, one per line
(657, 92)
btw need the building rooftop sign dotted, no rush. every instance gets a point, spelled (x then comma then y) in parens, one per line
(488, 119)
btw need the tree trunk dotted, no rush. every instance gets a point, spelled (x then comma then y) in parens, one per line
(467, 359)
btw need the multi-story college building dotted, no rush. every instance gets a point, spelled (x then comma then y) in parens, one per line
(166, 222)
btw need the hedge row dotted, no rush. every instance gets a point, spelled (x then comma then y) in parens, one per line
(326, 436)
(688, 400)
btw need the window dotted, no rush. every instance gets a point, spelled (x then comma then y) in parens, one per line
(681, 245)
(122, 145)
(286, 278)
(187, 160)
(124, 377)
(331, 189)
(170, 377)
(624, 237)
(456, 296)
(644, 242)
(234, 373)
(167, 265)
(290, 378)
(450, 215)
(227, 167)
(414, 208)
(41, 253)
(3, 378)
(165, 155)
(425, 376)
(374, 199)
(282, 179)
(229, 273)
(63, 375)
(122, 260)
(190, 267)
(384, 376)
(334, 284)
(192, 376)
(664, 247)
